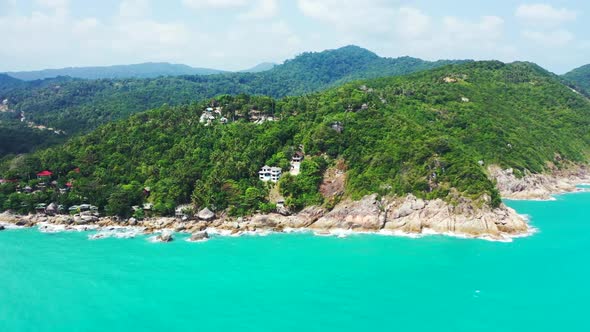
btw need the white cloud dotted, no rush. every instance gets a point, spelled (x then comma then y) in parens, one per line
(544, 14)
(52, 4)
(263, 9)
(412, 23)
(353, 16)
(402, 30)
(134, 8)
(214, 4)
(555, 38)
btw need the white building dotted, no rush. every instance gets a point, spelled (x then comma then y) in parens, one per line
(268, 173)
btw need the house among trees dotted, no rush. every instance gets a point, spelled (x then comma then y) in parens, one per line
(268, 173)
(337, 126)
(296, 163)
(44, 175)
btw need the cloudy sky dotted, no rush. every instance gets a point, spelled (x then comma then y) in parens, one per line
(236, 34)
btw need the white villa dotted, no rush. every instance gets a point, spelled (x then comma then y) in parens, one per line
(268, 173)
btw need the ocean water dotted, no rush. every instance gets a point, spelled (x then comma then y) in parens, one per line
(300, 282)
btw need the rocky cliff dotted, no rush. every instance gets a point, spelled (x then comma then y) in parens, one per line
(539, 186)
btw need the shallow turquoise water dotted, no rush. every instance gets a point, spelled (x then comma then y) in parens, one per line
(64, 282)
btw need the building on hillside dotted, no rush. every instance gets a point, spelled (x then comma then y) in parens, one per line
(44, 175)
(268, 173)
(297, 157)
(337, 126)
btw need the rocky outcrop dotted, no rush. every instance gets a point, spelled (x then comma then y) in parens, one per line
(165, 237)
(413, 215)
(206, 215)
(2, 228)
(201, 236)
(407, 214)
(538, 186)
(364, 215)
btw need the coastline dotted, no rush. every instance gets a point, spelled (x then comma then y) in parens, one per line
(402, 217)
(539, 186)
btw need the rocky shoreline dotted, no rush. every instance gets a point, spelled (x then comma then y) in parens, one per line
(539, 186)
(401, 216)
(405, 216)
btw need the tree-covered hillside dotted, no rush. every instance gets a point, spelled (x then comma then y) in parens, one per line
(432, 134)
(75, 106)
(580, 77)
(142, 70)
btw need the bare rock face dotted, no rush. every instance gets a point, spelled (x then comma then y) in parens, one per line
(538, 186)
(201, 236)
(165, 237)
(206, 215)
(413, 215)
(8, 217)
(364, 215)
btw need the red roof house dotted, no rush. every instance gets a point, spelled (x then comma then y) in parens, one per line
(44, 174)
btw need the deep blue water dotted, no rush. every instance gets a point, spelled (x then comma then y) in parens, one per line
(65, 282)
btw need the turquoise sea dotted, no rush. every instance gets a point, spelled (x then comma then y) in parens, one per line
(65, 282)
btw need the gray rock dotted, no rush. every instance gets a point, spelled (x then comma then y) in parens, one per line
(199, 236)
(165, 237)
(206, 215)
(132, 221)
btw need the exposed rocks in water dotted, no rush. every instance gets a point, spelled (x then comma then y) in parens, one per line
(165, 237)
(538, 186)
(201, 236)
(206, 215)
(2, 228)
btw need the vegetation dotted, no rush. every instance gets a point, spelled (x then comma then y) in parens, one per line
(429, 133)
(580, 78)
(142, 70)
(78, 106)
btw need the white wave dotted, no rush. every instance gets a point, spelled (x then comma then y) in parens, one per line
(9, 226)
(117, 233)
(44, 227)
(197, 241)
(399, 233)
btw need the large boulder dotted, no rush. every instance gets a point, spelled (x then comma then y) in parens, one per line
(2, 228)
(165, 237)
(201, 236)
(363, 215)
(206, 214)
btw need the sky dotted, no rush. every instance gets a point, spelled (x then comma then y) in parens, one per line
(238, 34)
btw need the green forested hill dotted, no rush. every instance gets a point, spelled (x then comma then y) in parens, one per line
(580, 77)
(429, 133)
(142, 70)
(75, 105)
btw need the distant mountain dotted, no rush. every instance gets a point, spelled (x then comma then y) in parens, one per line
(260, 67)
(7, 82)
(580, 77)
(76, 105)
(143, 70)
